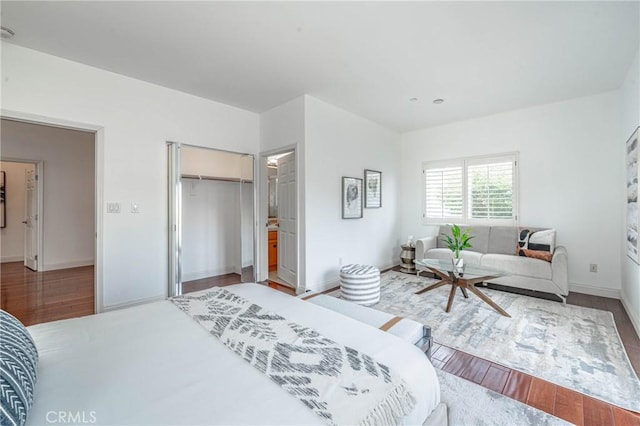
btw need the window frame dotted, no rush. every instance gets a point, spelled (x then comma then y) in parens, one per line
(464, 163)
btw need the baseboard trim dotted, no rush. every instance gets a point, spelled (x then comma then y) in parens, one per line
(326, 286)
(384, 269)
(192, 276)
(595, 291)
(132, 304)
(635, 320)
(331, 285)
(67, 265)
(8, 259)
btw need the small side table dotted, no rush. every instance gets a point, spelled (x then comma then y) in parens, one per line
(407, 257)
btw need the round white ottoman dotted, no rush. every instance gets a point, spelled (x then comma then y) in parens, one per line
(360, 284)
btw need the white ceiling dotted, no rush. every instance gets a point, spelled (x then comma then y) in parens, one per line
(366, 57)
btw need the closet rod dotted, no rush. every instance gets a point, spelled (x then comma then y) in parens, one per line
(225, 179)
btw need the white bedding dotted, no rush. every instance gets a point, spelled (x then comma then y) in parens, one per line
(153, 364)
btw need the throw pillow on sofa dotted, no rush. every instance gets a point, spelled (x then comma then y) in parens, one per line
(536, 244)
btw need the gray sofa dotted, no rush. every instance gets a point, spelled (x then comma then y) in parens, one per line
(495, 247)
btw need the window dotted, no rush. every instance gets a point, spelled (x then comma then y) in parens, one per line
(471, 190)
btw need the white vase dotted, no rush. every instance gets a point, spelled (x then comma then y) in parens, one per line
(458, 263)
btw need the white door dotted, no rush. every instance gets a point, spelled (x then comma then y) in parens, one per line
(287, 222)
(31, 220)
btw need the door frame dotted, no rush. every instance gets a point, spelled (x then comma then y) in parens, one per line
(262, 259)
(98, 131)
(39, 165)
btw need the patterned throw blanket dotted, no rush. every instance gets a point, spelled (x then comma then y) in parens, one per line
(340, 384)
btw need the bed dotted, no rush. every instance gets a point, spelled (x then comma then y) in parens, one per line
(154, 365)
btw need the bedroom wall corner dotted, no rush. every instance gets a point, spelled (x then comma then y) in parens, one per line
(340, 143)
(560, 145)
(629, 121)
(283, 127)
(68, 177)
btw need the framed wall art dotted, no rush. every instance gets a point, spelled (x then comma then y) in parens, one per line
(632, 195)
(351, 198)
(373, 189)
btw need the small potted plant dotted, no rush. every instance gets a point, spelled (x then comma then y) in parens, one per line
(456, 242)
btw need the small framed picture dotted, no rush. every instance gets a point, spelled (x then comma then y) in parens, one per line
(373, 189)
(351, 198)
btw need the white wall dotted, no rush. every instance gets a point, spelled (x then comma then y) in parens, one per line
(217, 227)
(246, 223)
(280, 127)
(569, 177)
(68, 188)
(204, 162)
(137, 118)
(283, 125)
(12, 236)
(339, 143)
(332, 143)
(630, 120)
(210, 228)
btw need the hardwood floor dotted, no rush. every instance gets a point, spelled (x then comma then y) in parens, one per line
(283, 288)
(229, 279)
(204, 283)
(36, 297)
(561, 402)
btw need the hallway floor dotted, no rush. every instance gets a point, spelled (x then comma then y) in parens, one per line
(36, 297)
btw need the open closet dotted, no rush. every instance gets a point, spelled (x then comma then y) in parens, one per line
(211, 208)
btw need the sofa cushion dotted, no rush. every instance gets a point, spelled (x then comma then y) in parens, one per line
(538, 244)
(518, 265)
(469, 256)
(479, 242)
(502, 239)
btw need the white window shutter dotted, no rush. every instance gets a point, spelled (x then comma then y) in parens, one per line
(444, 192)
(490, 190)
(475, 190)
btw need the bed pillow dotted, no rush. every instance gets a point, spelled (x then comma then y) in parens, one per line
(18, 364)
(536, 244)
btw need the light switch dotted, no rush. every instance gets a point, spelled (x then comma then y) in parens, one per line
(135, 208)
(113, 207)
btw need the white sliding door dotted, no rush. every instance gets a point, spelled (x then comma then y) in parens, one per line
(175, 219)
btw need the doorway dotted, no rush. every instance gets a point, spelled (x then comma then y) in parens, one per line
(212, 218)
(49, 237)
(281, 213)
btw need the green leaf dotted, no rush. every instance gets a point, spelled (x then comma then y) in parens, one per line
(458, 240)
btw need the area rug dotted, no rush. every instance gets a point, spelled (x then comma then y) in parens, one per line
(483, 407)
(571, 346)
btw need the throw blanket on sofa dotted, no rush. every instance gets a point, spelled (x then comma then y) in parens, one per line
(341, 385)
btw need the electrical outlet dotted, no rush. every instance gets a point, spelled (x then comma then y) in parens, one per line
(339, 261)
(593, 267)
